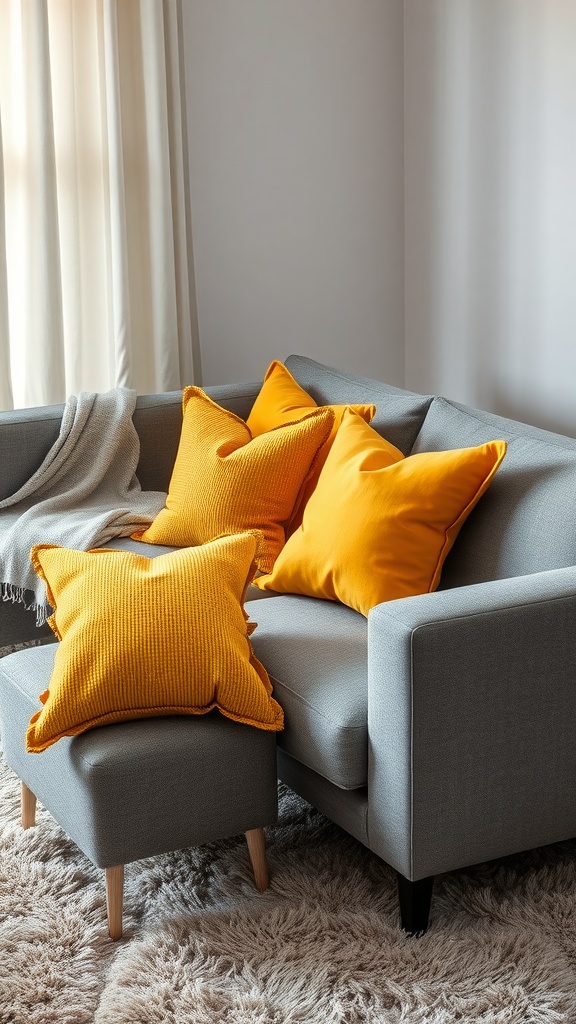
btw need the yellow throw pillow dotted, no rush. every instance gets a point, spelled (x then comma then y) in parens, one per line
(226, 482)
(142, 637)
(379, 526)
(282, 400)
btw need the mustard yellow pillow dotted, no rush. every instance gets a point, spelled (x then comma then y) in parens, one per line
(226, 482)
(142, 637)
(282, 400)
(379, 526)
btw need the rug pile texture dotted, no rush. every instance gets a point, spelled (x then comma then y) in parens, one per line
(321, 946)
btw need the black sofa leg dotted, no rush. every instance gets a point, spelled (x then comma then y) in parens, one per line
(415, 899)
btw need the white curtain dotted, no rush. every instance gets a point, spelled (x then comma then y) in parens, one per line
(96, 274)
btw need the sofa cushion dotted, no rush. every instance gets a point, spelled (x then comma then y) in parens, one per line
(316, 655)
(379, 526)
(526, 522)
(225, 482)
(152, 551)
(399, 414)
(281, 400)
(145, 637)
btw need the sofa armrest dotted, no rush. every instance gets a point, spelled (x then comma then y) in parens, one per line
(472, 722)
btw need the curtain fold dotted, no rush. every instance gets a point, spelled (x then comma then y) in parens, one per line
(6, 399)
(41, 290)
(117, 234)
(97, 289)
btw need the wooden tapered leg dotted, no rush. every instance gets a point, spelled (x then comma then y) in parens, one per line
(114, 895)
(257, 851)
(28, 807)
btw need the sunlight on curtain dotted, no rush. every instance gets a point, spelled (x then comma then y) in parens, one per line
(96, 289)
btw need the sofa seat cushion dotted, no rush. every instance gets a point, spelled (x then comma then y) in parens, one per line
(526, 521)
(315, 653)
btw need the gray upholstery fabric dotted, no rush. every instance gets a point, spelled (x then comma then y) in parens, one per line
(472, 719)
(139, 788)
(238, 398)
(158, 420)
(27, 436)
(526, 521)
(347, 807)
(18, 625)
(399, 414)
(315, 653)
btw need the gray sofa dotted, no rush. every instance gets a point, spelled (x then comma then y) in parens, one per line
(441, 731)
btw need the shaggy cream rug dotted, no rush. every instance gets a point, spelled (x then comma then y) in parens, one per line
(321, 946)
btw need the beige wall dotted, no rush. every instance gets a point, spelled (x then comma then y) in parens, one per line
(295, 125)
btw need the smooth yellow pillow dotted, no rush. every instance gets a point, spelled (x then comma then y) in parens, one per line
(142, 637)
(379, 526)
(226, 482)
(282, 400)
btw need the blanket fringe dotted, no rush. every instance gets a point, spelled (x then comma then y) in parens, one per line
(17, 595)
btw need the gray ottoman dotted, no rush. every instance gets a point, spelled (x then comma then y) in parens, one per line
(139, 788)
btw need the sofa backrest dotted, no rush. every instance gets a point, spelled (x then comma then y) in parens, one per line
(158, 418)
(399, 413)
(28, 434)
(27, 437)
(526, 520)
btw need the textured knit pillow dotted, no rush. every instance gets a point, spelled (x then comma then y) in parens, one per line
(142, 637)
(282, 400)
(226, 482)
(379, 526)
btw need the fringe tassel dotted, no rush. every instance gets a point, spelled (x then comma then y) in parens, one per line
(17, 595)
(42, 612)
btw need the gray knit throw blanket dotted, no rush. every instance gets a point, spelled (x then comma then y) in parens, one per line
(84, 493)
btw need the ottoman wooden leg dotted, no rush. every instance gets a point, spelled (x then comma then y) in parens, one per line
(28, 806)
(114, 896)
(257, 851)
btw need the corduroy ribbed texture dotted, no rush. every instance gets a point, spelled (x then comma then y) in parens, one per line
(281, 400)
(142, 637)
(224, 481)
